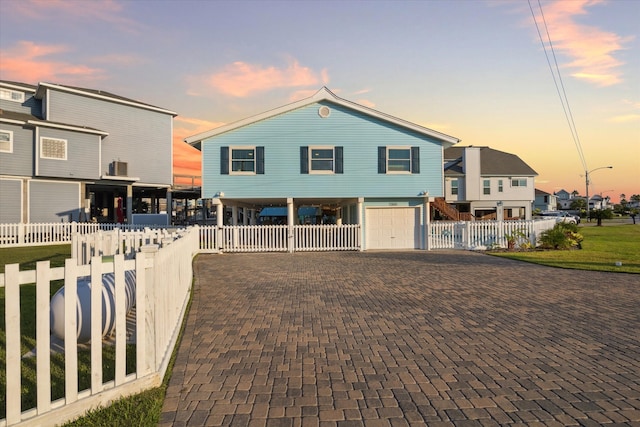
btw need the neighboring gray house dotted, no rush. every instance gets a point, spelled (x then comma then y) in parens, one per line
(545, 201)
(488, 183)
(69, 153)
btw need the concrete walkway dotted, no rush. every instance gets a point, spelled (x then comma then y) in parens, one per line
(405, 338)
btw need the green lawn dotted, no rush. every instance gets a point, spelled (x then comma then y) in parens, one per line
(601, 249)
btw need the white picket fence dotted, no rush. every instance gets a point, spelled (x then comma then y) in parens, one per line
(56, 233)
(163, 283)
(481, 235)
(280, 238)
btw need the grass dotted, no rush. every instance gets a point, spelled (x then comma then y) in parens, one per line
(143, 409)
(601, 249)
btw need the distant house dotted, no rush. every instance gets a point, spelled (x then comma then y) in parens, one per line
(69, 153)
(488, 183)
(354, 164)
(545, 201)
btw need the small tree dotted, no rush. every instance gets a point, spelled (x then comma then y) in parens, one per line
(578, 204)
(601, 214)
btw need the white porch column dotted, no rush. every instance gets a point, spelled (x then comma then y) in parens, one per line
(234, 215)
(252, 217)
(245, 219)
(129, 203)
(426, 207)
(290, 223)
(219, 222)
(169, 206)
(360, 221)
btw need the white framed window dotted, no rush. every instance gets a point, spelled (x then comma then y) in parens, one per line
(243, 160)
(519, 182)
(321, 159)
(500, 186)
(11, 95)
(398, 159)
(6, 141)
(53, 148)
(454, 187)
(486, 186)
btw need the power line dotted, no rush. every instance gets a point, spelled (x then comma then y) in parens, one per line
(563, 96)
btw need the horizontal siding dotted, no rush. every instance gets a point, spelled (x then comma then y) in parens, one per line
(29, 106)
(20, 162)
(83, 155)
(141, 138)
(359, 134)
(64, 206)
(11, 206)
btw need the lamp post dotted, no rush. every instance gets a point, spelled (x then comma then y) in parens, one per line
(586, 178)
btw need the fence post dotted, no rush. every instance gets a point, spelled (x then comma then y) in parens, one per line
(466, 234)
(146, 307)
(21, 233)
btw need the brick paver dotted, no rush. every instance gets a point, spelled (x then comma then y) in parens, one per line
(405, 339)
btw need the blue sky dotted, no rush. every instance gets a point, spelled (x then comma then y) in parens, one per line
(472, 69)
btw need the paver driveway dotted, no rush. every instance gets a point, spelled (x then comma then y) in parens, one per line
(405, 338)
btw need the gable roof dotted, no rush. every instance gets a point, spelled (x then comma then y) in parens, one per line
(492, 162)
(99, 94)
(324, 94)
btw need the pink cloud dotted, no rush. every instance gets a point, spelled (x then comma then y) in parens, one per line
(31, 62)
(241, 79)
(109, 11)
(591, 49)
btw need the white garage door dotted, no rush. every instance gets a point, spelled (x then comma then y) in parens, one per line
(393, 228)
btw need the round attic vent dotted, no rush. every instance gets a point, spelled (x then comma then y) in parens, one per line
(324, 111)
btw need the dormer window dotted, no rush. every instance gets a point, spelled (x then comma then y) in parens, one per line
(11, 95)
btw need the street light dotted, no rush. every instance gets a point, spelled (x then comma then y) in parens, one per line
(586, 178)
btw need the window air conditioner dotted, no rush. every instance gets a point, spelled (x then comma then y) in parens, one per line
(119, 168)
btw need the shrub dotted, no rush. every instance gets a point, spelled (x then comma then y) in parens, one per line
(561, 236)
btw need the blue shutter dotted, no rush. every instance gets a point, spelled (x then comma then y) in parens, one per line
(304, 159)
(224, 160)
(260, 160)
(382, 159)
(415, 159)
(339, 167)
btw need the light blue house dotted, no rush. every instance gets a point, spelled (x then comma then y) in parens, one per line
(70, 153)
(354, 164)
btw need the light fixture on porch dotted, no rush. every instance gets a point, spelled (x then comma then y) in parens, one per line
(220, 194)
(424, 193)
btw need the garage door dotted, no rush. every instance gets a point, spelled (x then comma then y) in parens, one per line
(393, 228)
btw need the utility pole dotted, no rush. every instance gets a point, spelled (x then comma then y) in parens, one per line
(586, 179)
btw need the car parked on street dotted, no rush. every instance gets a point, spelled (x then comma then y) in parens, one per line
(561, 216)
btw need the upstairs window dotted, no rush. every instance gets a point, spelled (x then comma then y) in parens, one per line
(500, 186)
(398, 160)
(6, 141)
(454, 187)
(519, 182)
(11, 95)
(486, 186)
(241, 160)
(53, 148)
(321, 160)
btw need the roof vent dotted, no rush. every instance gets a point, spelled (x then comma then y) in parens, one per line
(324, 111)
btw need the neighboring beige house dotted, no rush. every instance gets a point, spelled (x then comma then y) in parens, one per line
(488, 184)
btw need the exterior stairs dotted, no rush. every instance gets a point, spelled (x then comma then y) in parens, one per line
(450, 212)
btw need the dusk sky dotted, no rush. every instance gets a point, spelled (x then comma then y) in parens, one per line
(472, 69)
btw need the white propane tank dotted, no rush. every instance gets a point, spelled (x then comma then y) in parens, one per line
(83, 306)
